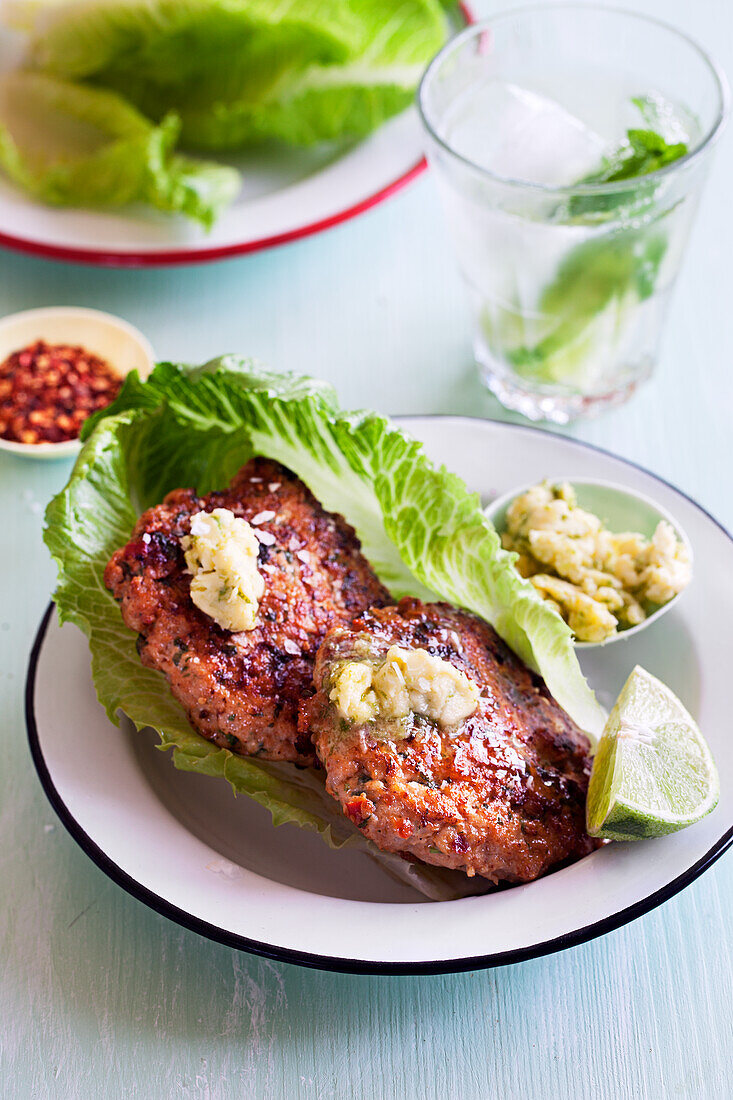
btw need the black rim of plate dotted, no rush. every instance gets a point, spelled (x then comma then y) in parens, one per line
(356, 966)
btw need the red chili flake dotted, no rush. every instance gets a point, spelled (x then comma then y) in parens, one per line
(48, 390)
(359, 809)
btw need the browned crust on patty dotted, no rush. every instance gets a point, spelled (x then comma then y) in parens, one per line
(502, 795)
(242, 691)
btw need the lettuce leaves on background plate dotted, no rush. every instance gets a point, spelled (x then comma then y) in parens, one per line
(238, 71)
(218, 74)
(72, 145)
(422, 530)
(166, 43)
(321, 102)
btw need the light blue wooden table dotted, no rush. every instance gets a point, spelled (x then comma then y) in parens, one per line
(99, 996)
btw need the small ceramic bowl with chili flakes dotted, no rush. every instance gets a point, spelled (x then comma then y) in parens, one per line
(57, 367)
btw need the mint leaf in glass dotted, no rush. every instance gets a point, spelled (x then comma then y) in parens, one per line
(643, 152)
(600, 280)
(608, 274)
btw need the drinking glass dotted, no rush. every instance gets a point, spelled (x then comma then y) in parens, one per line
(569, 273)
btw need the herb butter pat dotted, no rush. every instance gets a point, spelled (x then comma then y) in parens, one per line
(598, 580)
(408, 681)
(221, 554)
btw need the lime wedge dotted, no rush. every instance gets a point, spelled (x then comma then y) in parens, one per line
(653, 773)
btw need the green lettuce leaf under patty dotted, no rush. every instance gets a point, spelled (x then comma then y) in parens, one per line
(422, 530)
(73, 145)
(236, 72)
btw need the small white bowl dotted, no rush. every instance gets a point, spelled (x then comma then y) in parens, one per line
(109, 337)
(621, 509)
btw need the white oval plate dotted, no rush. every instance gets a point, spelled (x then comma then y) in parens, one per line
(187, 848)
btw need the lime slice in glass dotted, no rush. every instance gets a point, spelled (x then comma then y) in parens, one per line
(653, 773)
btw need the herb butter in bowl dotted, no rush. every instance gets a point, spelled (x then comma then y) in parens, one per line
(610, 559)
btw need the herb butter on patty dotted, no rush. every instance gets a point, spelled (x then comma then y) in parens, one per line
(221, 553)
(408, 681)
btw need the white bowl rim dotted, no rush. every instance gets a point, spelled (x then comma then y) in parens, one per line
(67, 447)
(501, 501)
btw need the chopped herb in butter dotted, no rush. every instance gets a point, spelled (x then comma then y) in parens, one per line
(353, 694)
(221, 554)
(598, 580)
(408, 681)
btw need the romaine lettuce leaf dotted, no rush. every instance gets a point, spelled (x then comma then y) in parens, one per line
(73, 145)
(301, 70)
(420, 527)
(326, 102)
(169, 42)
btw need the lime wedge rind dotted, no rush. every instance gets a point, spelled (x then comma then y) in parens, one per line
(648, 713)
(629, 822)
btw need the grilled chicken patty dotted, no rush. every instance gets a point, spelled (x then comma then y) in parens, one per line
(242, 690)
(502, 794)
